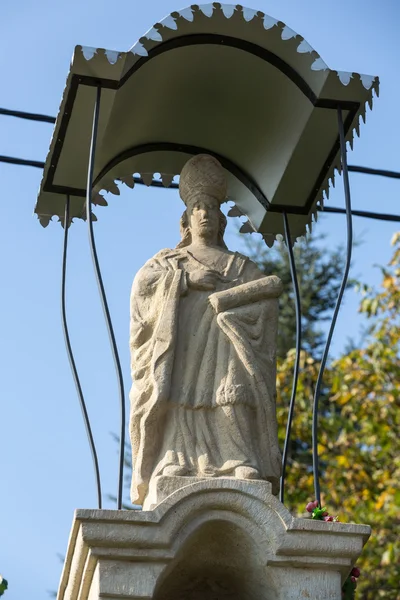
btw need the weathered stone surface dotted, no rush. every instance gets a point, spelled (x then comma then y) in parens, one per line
(203, 352)
(162, 487)
(213, 539)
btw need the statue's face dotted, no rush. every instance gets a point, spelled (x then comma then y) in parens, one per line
(204, 217)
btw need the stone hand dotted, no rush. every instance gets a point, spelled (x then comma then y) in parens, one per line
(202, 280)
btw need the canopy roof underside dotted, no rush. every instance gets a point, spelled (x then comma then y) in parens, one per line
(219, 79)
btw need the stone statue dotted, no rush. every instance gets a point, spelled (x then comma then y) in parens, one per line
(203, 351)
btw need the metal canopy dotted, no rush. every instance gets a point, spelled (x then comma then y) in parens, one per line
(219, 79)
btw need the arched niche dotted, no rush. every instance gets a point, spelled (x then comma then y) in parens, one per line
(220, 539)
(219, 561)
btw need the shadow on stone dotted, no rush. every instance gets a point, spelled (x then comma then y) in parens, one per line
(218, 562)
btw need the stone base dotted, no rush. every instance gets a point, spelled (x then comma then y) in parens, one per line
(162, 487)
(217, 538)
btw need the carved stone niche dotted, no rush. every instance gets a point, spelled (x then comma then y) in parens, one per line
(215, 539)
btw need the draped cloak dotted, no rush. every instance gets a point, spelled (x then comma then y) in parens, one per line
(204, 384)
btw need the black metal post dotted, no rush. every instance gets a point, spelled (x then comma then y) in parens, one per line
(297, 303)
(349, 223)
(103, 294)
(71, 359)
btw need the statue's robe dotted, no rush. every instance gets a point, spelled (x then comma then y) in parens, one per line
(204, 383)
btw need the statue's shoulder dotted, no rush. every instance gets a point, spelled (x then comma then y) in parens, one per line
(244, 260)
(253, 270)
(241, 256)
(167, 253)
(152, 268)
(158, 260)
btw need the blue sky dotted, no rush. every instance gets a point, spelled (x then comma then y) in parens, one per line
(46, 469)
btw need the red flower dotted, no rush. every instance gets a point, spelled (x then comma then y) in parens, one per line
(311, 505)
(356, 572)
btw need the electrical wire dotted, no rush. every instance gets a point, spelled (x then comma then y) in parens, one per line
(25, 115)
(362, 213)
(22, 162)
(370, 171)
(158, 184)
(47, 119)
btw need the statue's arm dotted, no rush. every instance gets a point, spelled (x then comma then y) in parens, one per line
(149, 290)
(144, 296)
(246, 293)
(147, 278)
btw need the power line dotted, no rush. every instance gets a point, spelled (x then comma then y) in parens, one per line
(25, 115)
(22, 162)
(362, 213)
(328, 209)
(352, 168)
(369, 171)
(47, 119)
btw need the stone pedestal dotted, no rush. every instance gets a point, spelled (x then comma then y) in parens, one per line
(215, 539)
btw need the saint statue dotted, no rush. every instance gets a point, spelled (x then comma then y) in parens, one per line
(203, 351)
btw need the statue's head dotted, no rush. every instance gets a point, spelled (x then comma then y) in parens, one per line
(203, 188)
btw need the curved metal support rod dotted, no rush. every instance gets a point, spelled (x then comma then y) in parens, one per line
(103, 294)
(343, 284)
(71, 356)
(297, 302)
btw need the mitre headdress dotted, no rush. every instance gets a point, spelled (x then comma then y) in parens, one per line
(203, 174)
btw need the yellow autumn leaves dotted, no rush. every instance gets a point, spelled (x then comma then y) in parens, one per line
(359, 435)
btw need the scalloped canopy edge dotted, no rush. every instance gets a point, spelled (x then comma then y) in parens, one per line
(234, 82)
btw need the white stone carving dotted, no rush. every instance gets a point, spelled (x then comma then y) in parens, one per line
(219, 538)
(203, 351)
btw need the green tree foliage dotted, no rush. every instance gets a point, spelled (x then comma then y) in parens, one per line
(3, 585)
(359, 442)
